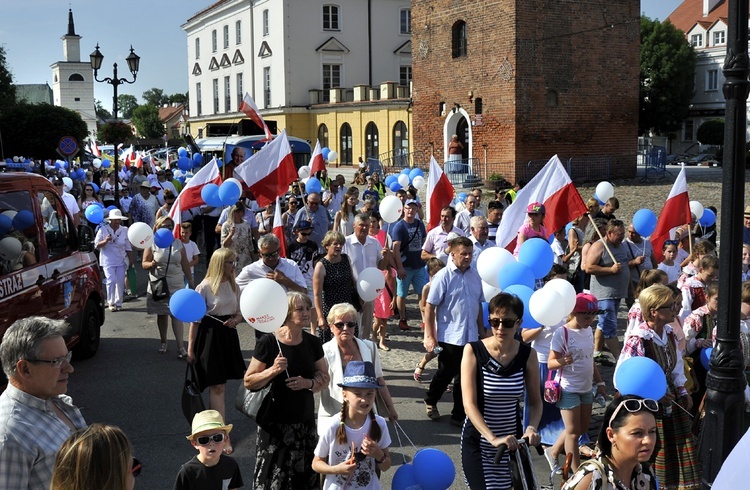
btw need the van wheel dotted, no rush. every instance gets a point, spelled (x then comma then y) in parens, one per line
(90, 332)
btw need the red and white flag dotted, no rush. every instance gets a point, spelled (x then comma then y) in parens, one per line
(128, 156)
(190, 197)
(139, 160)
(251, 110)
(278, 228)
(269, 172)
(553, 188)
(439, 193)
(94, 149)
(676, 212)
(317, 162)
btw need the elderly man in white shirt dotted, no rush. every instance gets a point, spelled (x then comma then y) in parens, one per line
(365, 251)
(480, 233)
(69, 200)
(463, 217)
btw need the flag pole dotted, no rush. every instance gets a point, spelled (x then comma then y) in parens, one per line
(604, 242)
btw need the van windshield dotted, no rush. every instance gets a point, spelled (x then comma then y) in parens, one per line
(19, 241)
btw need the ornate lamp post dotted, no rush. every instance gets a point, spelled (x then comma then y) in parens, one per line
(723, 425)
(96, 63)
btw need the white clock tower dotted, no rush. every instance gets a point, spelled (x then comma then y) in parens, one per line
(73, 80)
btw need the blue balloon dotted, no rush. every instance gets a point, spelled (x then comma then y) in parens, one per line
(395, 186)
(486, 315)
(433, 469)
(184, 163)
(197, 159)
(97, 203)
(405, 171)
(219, 162)
(706, 357)
(390, 180)
(96, 188)
(210, 195)
(462, 197)
(404, 478)
(415, 172)
(110, 208)
(644, 222)
(5, 224)
(524, 294)
(640, 376)
(516, 273)
(708, 218)
(538, 255)
(182, 152)
(23, 219)
(313, 185)
(229, 193)
(163, 238)
(187, 305)
(106, 163)
(325, 151)
(94, 214)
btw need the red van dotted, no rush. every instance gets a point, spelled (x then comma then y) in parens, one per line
(47, 267)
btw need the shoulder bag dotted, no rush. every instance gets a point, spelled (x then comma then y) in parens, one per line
(249, 402)
(192, 401)
(552, 390)
(159, 287)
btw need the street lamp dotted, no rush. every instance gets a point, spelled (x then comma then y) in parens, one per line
(96, 63)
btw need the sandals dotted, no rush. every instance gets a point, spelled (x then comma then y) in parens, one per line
(586, 452)
(418, 373)
(432, 412)
(383, 347)
(163, 348)
(183, 353)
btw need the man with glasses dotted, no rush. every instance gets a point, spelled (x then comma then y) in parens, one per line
(453, 318)
(36, 416)
(316, 215)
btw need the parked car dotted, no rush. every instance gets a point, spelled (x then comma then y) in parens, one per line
(705, 160)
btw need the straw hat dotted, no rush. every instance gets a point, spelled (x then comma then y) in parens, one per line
(208, 420)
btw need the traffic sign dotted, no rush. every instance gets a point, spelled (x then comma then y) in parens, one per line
(68, 145)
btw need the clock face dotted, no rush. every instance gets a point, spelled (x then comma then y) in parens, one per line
(423, 49)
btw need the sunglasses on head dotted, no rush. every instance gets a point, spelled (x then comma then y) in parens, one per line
(136, 468)
(671, 242)
(634, 405)
(205, 440)
(342, 325)
(505, 322)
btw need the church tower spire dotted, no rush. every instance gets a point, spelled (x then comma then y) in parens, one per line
(71, 25)
(71, 42)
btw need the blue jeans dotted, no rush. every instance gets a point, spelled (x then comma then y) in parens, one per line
(608, 320)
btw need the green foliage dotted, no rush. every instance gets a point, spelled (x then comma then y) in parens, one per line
(7, 89)
(711, 132)
(126, 104)
(156, 97)
(115, 133)
(667, 73)
(35, 129)
(147, 122)
(101, 112)
(496, 176)
(178, 98)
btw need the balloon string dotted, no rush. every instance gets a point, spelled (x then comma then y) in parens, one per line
(398, 427)
(282, 354)
(400, 444)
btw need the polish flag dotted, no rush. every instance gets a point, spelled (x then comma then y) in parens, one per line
(139, 160)
(676, 212)
(439, 193)
(128, 156)
(269, 172)
(94, 148)
(168, 164)
(317, 162)
(278, 228)
(190, 197)
(553, 188)
(251, 110)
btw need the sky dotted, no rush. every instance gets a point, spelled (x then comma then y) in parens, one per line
(31, 30)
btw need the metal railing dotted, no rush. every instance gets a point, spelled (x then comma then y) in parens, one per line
(395, 160)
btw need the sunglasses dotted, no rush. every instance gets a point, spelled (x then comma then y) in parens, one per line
(505, 322)
(205, 440)
(306, 234)
(233, 263)
(671, 242)
(342, 325)
(674, 307)
(634, 405)
(270, 254)
(136, 468)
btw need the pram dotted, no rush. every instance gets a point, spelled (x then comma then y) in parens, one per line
(521, 468)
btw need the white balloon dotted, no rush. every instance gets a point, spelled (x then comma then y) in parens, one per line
(332, 156)
(567, 294)
(490, 291)
(304, 172)
(263, 305)
(140, 235)
(67, 183)
(696, 208)
(390, 209)
(10, 214)
(370, 282)
(10, 248)
(604, 191)
(403, 179)
(97, 162)
(235, 182)
(418, 182)
(490, 263)
(544, 306)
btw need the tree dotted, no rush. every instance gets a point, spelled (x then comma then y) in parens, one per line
(7, 89)
(126, 104)
(156, 97)
(115, 132)
(35, 129)
(178, 98)
(101, 112)
(711, 132)
(667, 73)
(147, 122)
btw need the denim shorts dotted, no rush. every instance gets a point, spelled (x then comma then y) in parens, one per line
(608, 320)
(570, 400)
(415, 277)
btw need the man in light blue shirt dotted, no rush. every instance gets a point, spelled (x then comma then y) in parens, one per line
(453, 318)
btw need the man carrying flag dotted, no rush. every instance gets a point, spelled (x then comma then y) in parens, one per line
(251, 110)
(190, 197)
(278, 229)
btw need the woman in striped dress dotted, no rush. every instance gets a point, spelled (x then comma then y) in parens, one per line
(494, 374)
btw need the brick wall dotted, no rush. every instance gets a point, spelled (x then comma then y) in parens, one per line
(555, 77)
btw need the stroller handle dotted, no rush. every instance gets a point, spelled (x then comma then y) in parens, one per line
(504, 447)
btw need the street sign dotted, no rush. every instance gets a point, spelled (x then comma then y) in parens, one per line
(68, 146)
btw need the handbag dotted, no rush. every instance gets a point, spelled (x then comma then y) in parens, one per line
(552, 389)
(192, 401)
(159, 287)
(249, 402)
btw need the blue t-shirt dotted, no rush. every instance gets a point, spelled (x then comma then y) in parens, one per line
(371, 193)
(412, 237)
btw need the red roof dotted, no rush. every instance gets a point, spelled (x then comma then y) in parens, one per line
(690, 12)
(168, 113)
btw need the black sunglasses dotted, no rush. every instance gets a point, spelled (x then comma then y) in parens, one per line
(349, 325)
(136, 468)
(205, 440)
(270, 254)
(505, 322)
(306, 234)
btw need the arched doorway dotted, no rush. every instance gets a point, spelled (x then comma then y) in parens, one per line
(345, 144)
(457, 122)
(462, 130)
(400, 144)
(371, 141)
(323, 135)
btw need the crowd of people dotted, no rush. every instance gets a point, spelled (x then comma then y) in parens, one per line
(330, 341)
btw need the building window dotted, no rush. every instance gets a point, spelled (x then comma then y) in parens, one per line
(400, 144)
(227, 95)
(238, 32)
(696, 40)
(478, 107)
(198, 99)
(267, 86)
(197, 48)
(404, 75)
(214, 41)
(371, 140)
(323, 135)
(405, 21)
(240, 95)
(458, 39)
(331, 18)
(265, 22)
(216, 95)
(331, 79)
(226, 37)
(712, 80)
(345, 144)
(688, 130)
(719, 38)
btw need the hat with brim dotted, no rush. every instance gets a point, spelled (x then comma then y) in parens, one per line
(208, 420)
(587, 304)
(359, 374)
(145, 184)
(303, 225)
(115, 214)
(747, 212)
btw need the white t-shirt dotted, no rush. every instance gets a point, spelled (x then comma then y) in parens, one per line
(364, 476)
(558, 250)
(673, 271)
(543, 341)
(191, 250)
(579, 376)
